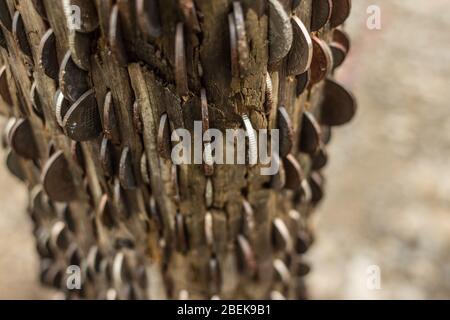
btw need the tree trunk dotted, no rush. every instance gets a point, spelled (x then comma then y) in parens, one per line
(92, 101)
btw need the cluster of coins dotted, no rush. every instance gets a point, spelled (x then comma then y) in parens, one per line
(92, 108)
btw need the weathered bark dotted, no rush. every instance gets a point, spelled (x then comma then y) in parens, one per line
(138, 225)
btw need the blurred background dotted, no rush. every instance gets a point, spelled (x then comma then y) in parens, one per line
(388, 191)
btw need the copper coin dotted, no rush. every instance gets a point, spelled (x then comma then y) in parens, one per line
(126, 172)
(22, 140)
(340, 12)
(14, 165)
(321, 13)
(302, 82)
(148, 18)
(72, 80)
(57, 179)
(300, 56)
(319, 160)
(322, 60)
(82, 121)
(294, 172)
(20, 34)
(341, 37)
(280, 32)
(338, 106)
(180, 62)
(310, 134)
(48, 59)
(286, 132)
(339, 53)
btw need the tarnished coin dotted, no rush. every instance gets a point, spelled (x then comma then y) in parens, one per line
(57, 179)
(338, 106)
(300, 56)
(80, 47)
(281, 236)
(281, 271)
(149, 21)
(14, 166)
(48, 59)
(36, 101)
(62, 105)
(341, 37)
(242, 45)
(115, 37)
(87, 19)
(126, 172)
(20, 34)
(4, 87)
(339, 53)
(316, 183)
(22, 140)
(105, 212)
(280, 32)
(286, 132)
(106, 157)
(294, 173)
(319, 160)
(246, 256)
(302, 82)
(340, 12)
(321, 13)
(310, 134)
(322, 60)
(82, 121)
(72, 80)
(234, 55)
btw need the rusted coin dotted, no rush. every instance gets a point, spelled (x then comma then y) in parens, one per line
(126, 173)
(72, 80)
(321, 13)
(294, 172)
(180, 62)
(302, 82)
(320, 159)
(281, 236)
(300, 56)
(234, 55)
(310, 134)
(339, 53)
(82, 121)
(115, 36)
(338, 106)
(190, 14)
(40, 8)
(280, 32)
(322, 60)
(80, 47)
(246, 256)
(110, 124)
(57, 180)
(5, 16)
(163, 138)
(181, 233)
(106, 157)
(48, 59)
(341, 37)
(4, 87)
(149, 21)
(86, 15)
(340, 12)
(36, 101)
(62, 105)
(241, 35)
(22, 140)
(14, 165)
(20, 34)
(286, 132)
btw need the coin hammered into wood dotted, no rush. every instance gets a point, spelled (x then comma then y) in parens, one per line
(280, 32)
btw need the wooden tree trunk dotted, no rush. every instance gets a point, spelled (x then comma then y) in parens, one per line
(90, 115)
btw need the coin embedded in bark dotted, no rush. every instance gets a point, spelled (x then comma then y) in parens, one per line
(36, 101)
(321, 62)
(72, 80)
(242, 45)
(278, 180)
(148, 19)
(137, 118)
(316, 183)
(233, 47)
(22, 140)
(281, 236)
(110, 125)
(321, 13)
(286, 132)
(180, 62)
(62, 105)
(20, 34)
(338, 106)
(77, 154)
(163, 138)
(80, 47)
(208, 166)
(57, 179)
(144, 169)
(319, 160)
(106, 157)
(4, 87)
(181, 233)
(342, 38)
(190, 14)
(294, 172)
(5, 17)
(302, 82)
(115, 36)
(82, 121)
(126, 173)
(326, 134)
(310, 134)
(340, 12)
(88, 19)
(48, 59)
(14, 166)
(281, 271)
(246, 256)
(280, 32)
(300, 56)
(40, 8)
(105, 212)
(339, 53)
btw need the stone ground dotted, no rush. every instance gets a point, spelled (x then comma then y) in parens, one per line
(388, 192)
